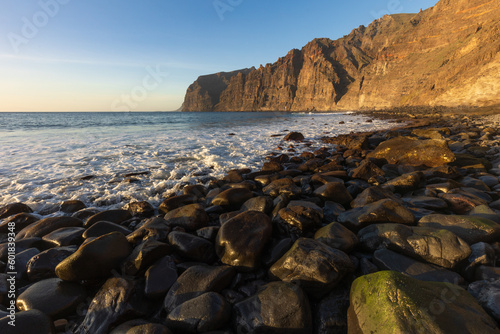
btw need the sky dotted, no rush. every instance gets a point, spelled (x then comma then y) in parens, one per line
(142, 55)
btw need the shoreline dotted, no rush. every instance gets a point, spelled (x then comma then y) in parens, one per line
(343, 212)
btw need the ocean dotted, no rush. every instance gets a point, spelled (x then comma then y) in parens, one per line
(48, 158)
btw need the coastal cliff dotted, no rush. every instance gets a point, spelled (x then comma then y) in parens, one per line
(447, 55)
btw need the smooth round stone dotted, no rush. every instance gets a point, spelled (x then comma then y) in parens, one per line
(240, 241)
(21, 220)
(197, 190)
(22, 260)
(104, 227)
(284, 186)
(53, 297)
(141, 209)
(113, 216)
(160, 277)
(139, 326)
(144, 255)
(337, 236)
(47, 225)
(192, 247)
(65, 236)
(13, 209)
(335, 192)
(43, 265)
(207, 312)
(233, 198)
(96, 259)
(262, 203)
(72, 206)
(190, 217)
(84, 214)
(176, 202)
(32, 321)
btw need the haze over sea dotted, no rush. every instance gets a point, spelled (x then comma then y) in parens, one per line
(44, 156)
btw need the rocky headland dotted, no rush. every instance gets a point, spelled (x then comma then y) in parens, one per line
(447, 55)
(395, 231)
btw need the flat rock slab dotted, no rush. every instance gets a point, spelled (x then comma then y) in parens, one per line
(390, 302)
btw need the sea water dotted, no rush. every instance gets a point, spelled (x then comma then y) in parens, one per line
(48, 158)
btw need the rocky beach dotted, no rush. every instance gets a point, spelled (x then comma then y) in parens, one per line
(392, 231)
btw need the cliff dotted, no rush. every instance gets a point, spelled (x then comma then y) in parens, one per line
(447, 55)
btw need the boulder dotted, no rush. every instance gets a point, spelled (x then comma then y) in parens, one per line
(294, 136)
(415, 152)
(13, 209)
(47, 225)
(471, 229)
(335, 192)
(65, 236)
(232, 198)
(190, 217)
(72, 206)
(103, 227)
(144, 255)
(192, 248)
(160, 277)
(335, 235)
(390, 302)
(240, 242)
(435, 246)
(278, 307)
(262, 203)
(405, 183)
(487, 293)
(371, 195)
(113, 216)
(367, 170)
(312, 265)
(141, 209)
(43, 265)
(283, 186)
(176, 202)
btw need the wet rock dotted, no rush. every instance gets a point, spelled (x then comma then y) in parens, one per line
(335, 235)
(275, 252)
(192, 247)
(65, 236)
(22, 260)
(284, 186)
(486, 273)
(470, 229)
(382, 302)
(367, 170)
(13, 209)
(176, 202)
(240, 241)
(195, 281)
(47, 225)
(160, 277)
(426, 202)
(405, 150)
(53, 297)
(474, 183)
(190, 217)
(385, 259)
(312, 265)
(197, 190)
(144, 255)
(262, 204)
(110, 306)
(405, 183)
(331, 313)
(430, 133)
(141, 209)
(371, 195)
(469, 161)
(139, 326)
(272, 167)
(20, 220)
(84, 214)
(95, 259)
(294, 136)
(233, 198)
(153, 228)
(461, 202)
(487, 293)
(43, 265)
(302, 215)
(383, 211)
(21, 245)
(32, 321)
(278, 307)
(112, 216)
(205, 313)
(103, 227)
(434, 246)
(72, 206)
(335, 192)
(351, 142)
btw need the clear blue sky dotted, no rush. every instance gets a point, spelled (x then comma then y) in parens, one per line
(89, 55)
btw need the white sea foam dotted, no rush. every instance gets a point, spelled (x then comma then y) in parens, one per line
(44, 167)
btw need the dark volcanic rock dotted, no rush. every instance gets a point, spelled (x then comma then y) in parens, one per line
(103, 227)
(160, 277)
(317, 268)
(385, 259)
(176, 202)
(53, 297)
(389, 302)
(12, 209)
(190, 217)
(32, 321)
(278, 307)
(196, 281)
(95, 259)
(335, 235)
(205, 313)
(435, 246)
(192, 247)
(383, 211)
(302, 215)
(284, 186)
(367, 170)
(43, 265)
(110, 306)
(232, 198)
(469, 228)
(47, 225)
(113, 216)
(406, 182)
(335, 192)
(241, 240)
(410, 151)
(153, 228)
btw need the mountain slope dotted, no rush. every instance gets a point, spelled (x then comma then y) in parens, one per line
(447, 55)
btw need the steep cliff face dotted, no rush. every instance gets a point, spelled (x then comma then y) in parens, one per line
(447, 55)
